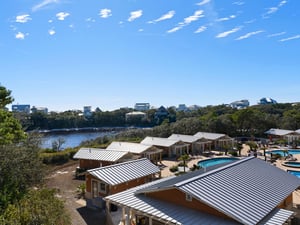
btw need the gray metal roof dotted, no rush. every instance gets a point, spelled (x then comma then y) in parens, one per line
(158, 141)
(123, 172)
(246, 190)
(184, 138)
(280, 132)
(128, 147)
(164, 211)
(210, 136)
(99, 154)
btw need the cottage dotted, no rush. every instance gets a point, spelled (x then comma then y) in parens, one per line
(112, 179)
(215, 140)
(138, 150)
(90, 158)
(248, 191)
(170, 147)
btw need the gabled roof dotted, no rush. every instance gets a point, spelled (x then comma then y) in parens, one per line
(279, 132)
(128, 147)
(166, 212)
(124, 172)
(248, 190)
(184, 138)
(99, 154)
(210, 136)
(157, 141)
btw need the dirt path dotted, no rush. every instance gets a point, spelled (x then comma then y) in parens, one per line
(63, 179)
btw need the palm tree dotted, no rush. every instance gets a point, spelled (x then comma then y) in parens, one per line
(184, 158)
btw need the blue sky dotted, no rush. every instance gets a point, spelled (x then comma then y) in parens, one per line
(65, 54)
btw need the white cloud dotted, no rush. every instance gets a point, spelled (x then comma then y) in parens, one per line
(226, 18)
(203, 2)
(274, 9)
(226, 33)
(250, 21)
(276, 34)
(141, 30)
(62, 15)
(201, 29)
(43, 4)
(166, 16)
(249, 35)
(197, 14)
(20, 36)
(290, 38)
(134, 15)
(51, 32)
(174, 29)
(23, 18)
(105, 13)
(238, 3)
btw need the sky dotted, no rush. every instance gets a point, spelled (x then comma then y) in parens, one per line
(66, 54)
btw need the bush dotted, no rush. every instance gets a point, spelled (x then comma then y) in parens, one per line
(173, 169)
(233, 153)
(55, 158)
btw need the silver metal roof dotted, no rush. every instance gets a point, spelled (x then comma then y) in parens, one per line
(158, 141)
(123, 172)
(128, 147)
(164, 211)
(210, 136)
(99, 154)
(184, 138)
(246, 190)
(280, 132)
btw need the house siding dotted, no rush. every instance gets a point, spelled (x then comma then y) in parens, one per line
(179, 198)
(91, 164)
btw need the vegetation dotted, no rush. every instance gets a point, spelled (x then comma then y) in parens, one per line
(22, 198)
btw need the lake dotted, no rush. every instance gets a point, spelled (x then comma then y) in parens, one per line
(73, 139)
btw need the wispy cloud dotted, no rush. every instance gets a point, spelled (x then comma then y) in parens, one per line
(274, 9)
(20, 36)
(290, 38)
(134, 15)
(250, 21)
(166, 16)
(105, 13)
(51, 32)
(249, 35)
(226, 33)
(276, 34)
(44, 4)
(226, 18)
(197, 14)
(62, 15)
(203, 2)
(23, 18)
(200, 29)
(238, 3)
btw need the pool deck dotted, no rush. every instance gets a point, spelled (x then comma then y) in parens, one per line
(165, 172)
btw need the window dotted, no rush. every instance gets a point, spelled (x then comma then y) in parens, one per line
(102, 187)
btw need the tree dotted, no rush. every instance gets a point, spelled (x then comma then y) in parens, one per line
(37, 207)
(5, 97)
(184, 158)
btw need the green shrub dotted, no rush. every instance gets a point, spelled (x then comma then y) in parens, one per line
(55, 158)
(233, 153)
(173, 168)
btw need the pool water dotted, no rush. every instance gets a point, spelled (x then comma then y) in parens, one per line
(284, 153)
(296, 173)
(292, 164)
(215, 161)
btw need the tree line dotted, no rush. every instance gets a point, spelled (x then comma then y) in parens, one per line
(251, 121)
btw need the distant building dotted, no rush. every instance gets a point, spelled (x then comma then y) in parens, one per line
(240, 104)
(134, 116)
(39, 110)
(194, 107)
(21, 108)
(266, 101)
(87, 111)
(182, 108)
(142, 106)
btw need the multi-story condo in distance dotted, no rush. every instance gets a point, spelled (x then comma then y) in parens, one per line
(21, 108)
(142, 106)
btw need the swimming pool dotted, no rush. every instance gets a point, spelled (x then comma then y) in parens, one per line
(296, 173)
(291, 164)
(284, 153)
(215, 161)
